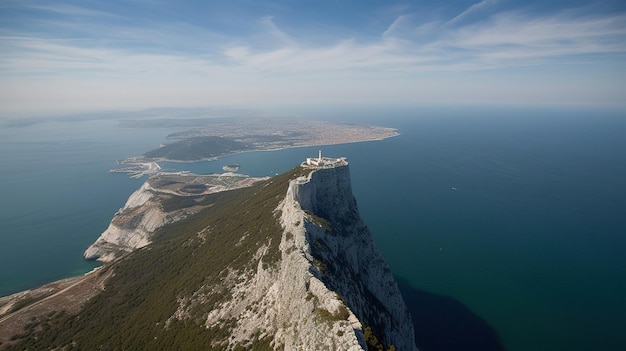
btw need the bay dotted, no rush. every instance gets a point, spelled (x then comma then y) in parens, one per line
(57, 195)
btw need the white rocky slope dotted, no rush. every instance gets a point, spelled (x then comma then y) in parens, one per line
(131, 227)
(329, 285)
(134, 225)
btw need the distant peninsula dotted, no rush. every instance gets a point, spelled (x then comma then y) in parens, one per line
(211, 138)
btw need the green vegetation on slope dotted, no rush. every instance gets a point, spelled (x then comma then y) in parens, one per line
(134, 310)
(197, 148)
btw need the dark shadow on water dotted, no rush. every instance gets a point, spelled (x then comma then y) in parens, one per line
(442, 323)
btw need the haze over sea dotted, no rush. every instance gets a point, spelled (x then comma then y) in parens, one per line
(505, 220)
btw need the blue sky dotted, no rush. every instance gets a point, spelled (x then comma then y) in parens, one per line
(67, 56)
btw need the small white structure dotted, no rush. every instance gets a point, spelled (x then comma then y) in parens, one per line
(324, 162)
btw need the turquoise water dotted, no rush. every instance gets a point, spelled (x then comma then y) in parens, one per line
(57, 195)
(505, 224)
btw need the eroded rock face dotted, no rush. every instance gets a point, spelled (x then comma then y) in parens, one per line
(328, 286)
(322, 214)
(131, 227)
(134, 225)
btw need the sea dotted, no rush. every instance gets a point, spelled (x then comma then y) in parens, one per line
(504, 227)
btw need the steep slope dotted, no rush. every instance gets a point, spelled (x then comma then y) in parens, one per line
(131, 227)
(162, 199)
(283, 265)
(321, 209)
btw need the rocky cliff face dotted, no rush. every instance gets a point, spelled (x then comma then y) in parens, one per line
(330, 284)
(162, 199)
(343, 263)
(132, 226)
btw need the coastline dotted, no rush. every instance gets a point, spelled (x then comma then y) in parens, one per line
(151, 168)
(138, 166)
(123, 185)
(17, 309)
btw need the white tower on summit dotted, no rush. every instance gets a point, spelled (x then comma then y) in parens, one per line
(324, 162)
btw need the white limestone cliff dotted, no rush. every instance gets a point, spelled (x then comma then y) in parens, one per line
(320, 210)
(330, 283)
(132, 226)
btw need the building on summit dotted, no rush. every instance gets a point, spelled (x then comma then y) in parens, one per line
(324, 162)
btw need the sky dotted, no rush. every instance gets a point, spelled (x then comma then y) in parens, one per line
(90, 55)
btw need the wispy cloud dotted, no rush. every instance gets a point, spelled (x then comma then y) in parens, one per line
(478, 7)
(505, 39)
(67, 10)
(274, 31)
(513, 38)
(176, 53)
(395, 25)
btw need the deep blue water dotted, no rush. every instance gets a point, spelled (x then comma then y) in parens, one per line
(507, 220)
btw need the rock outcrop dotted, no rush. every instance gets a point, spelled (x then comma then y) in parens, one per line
(131, 227)
(344, 268)
(330, 285)
(134, 225)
